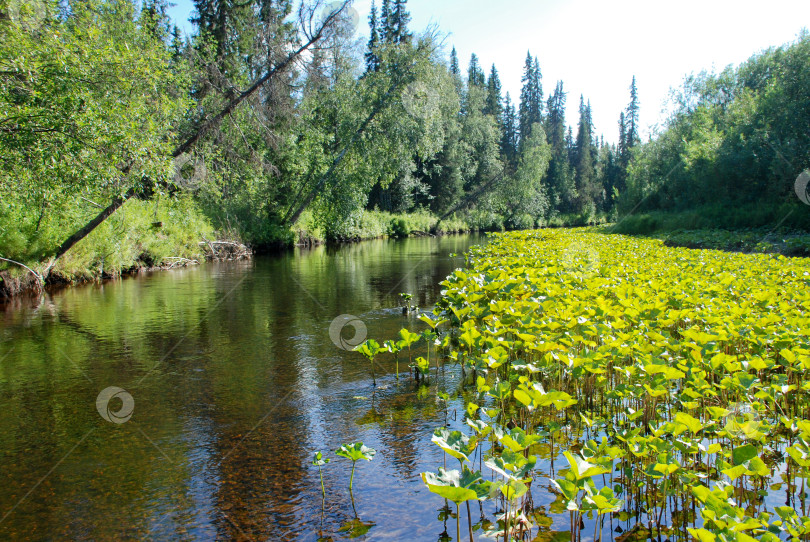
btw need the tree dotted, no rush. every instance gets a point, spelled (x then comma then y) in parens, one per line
(494, 101)
(401, 19)
(531, 97)
(585, 155)
(204, 126)
(628, 136)
(454, 67)
(509, 137)
(631, 117)
(372, 58)
(562, 190)
(386, 22)
(524, 195)
(475, 75)
(69, 127)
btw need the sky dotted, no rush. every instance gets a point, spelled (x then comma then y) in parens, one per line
(596, 47)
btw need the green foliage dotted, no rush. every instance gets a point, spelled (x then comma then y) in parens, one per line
(735, 139)
(692, 380)
(355, 452)
(90, 102)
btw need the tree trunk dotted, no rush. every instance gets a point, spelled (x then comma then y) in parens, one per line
(203, 130)
(292, 217)
(468, 199)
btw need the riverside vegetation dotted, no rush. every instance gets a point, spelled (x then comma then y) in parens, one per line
(664, 389)
(126, 143)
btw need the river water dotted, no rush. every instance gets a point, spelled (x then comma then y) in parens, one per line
(187, 404)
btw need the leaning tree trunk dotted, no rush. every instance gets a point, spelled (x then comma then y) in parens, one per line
(292, 216)
(468, 199)
(202, 131)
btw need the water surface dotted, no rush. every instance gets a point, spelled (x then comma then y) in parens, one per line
(235, 383)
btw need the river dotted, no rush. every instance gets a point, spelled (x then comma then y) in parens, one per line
(187, 404)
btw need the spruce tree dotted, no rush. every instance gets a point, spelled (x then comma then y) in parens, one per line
(494, 103)
(562, 190)
(372, 59)
(386, 22)
(628, 136)
(509, 137)
(475, 75)
(531, 97)
(622, 157)
(631, 118)
(538, 90)
(401, 19)
(454, 67)
(585, 160)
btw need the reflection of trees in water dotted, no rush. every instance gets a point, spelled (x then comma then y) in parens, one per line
(404, 414)
(223, 359)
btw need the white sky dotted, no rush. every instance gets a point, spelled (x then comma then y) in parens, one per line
(595, 47)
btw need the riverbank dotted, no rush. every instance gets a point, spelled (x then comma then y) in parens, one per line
(786, 242)
(174, 233)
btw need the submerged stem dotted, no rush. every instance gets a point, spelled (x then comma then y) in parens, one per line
(323, 489)
(458, 524)
(351, 479)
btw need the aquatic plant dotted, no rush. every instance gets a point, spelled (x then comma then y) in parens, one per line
(393, 348)
(408, 308)
(318, 460)
(355, 452)
(406, 339)
(458, 487)
(672, 382)
(369, 349)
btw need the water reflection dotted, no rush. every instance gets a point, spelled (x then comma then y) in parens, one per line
(235, 384)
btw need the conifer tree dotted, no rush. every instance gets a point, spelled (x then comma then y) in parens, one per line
(494, 103)
(509, 137)
(631, 118)
(562, 190)
(628, 136)
(386, 22)
(401, 19)
(372, 59)
(454, 67)
(584, 163)
(475, 75)
(531, 97)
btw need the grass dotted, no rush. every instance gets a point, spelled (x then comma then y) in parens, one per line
(140, 234)
(372, 225)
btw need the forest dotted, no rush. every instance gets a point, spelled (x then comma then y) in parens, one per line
(124, 142)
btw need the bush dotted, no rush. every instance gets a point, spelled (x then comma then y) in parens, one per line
(399, 228)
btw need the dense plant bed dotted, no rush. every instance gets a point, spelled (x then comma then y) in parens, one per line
(663, 390)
